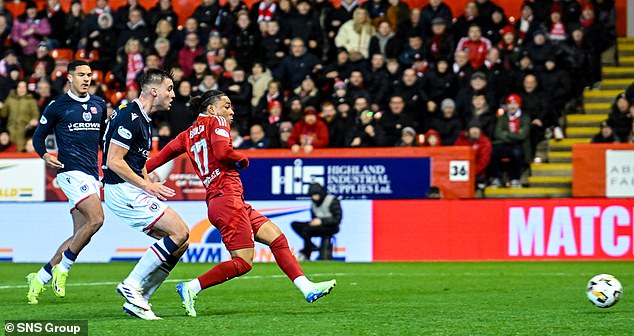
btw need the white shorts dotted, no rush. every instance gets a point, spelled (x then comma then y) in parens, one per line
(134, 206)
(77, 186)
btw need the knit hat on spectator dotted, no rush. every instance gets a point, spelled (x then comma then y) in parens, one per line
(556, 8)
(408, 130)
(514, 98)
(339, 84)
(474, 123)
(274, 103)
(587, 5)
(31, 4)
(308, 110)
(447, 103)
(286, 126)
(508, 29)
(539, 31)
(438, 21)
(478, 75)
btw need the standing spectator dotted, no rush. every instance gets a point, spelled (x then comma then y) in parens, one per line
(595, 34)
(578, 57)
(134, 28)
(190, 51)
(326, 217)
(367, 132)
(21, 111)
(297, 64)
(470, 17)
(384, 42)
(309, 133)
(355, 35)
(206, 13)
(162, 11)
(272, 47)
(475, 45)
(259, 79)
(305, 25)
(440, 43)
(56, 18)
(394, 120)
(620, 118)
(605, 14)
(336, 125)
(605, 135)
(244, 42)
(510, 142)
(240, 91)
(410, 88)
(556, 83)
(376, 82)
(435, 9)
(30, 29)
(475, 138)
(447, 124)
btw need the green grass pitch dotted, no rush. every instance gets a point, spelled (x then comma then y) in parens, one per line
(497, 298)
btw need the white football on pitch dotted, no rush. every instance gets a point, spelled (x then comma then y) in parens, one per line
(604, 290)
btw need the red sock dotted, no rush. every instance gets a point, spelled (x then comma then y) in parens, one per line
(284, 259)
(224, 271)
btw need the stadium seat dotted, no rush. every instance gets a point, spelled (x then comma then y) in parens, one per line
(116, 97)
(62, 54)
(97, 76)
(81, 54)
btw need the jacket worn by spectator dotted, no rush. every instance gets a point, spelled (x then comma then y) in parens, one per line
(19, 111)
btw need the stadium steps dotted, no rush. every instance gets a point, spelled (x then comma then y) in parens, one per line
(597, 108)
(618, 71)
(550, 181)
(551, 169)
(565, 145)
(527, 192)
(582, 132)
(616, 84)
(585, 120)
(600, 96)
(559, 157)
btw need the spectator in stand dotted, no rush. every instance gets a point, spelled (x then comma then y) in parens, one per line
(447, 124)
(336, 125)
(497, 22)
(42, 55)
(164, 29)
(439, 83)
(357, 86)
(6, 146)
(556, 84)
(272, 93)
(462, 68)
(244, 41)
(540, 50)
(236, 139)
(43, 94)
(206, 14)
(355, 35)
(239, 90)
(414, 51)
(475, 138)
(595, 34)
(309, 133)
(305, 25)
(227, 16)
(440, 44)
(272, 123)
(469, 17)
(376, 82)
(435, 9)
(56, 17)
(257, 138)
(259, 79)
(286, 128)
(162, 11)
(482, 114)
(297, 64)
(411, 26)
(178, 117)
(556, 28)
(294, 109)
(5, 31)
(464, 98)
(22, 114)
(30, 29)
(134, 28)
(578, 57)
(307, 92)
(367, 132)
(508, 47)
(103, 41)
(129, 62)
(408, 138)
(209, 82)
(401, 18)
(431, 139)
(384, 41)
(605, 135)
(272, 47)
(502, 80)
(605, 13)
(394, 120)
(121, 15)
(263, 11)
(526, 24)
(215, 52)
(511, 141)
(620, 118)
(190, 51)
(475, 45)
(536, 106)
(199, 70)
(341, 67)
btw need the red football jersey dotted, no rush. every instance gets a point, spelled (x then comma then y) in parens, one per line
(210, 150)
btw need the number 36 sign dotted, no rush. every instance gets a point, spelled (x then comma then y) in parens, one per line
(459, 170)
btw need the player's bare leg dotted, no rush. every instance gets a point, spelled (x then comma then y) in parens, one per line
(271, 235)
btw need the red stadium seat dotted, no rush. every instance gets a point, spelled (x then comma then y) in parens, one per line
(62, 54)
(81, 54)
(97, 76)
(116, 97)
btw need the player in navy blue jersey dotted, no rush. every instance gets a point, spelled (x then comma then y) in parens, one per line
(76, 118)
(135, 199)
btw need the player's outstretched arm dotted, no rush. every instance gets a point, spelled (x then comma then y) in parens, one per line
(224, 152)
(173, 149)
(115, 162)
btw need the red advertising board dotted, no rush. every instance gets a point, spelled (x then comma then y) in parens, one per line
(477, 230)
(589, 168)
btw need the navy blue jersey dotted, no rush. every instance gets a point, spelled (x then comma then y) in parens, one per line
(129, 128)
(76, 122)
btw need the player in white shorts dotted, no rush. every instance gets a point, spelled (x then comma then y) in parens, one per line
(76, 118)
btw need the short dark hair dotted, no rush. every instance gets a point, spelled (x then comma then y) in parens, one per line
(72, 65)
(154, 77)
(199, 103)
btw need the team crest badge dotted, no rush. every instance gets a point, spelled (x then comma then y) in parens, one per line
(83, 188)
(87, 116)
(154, 207)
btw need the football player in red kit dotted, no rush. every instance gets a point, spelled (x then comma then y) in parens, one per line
(208, 145)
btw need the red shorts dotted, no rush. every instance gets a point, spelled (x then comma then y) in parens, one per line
(236, 220)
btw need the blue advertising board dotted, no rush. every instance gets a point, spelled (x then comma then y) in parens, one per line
(348, 178)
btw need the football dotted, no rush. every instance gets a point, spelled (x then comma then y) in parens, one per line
(604, 290)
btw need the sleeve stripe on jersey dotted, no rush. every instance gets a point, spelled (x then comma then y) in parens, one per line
(221, 120)
(120, 144)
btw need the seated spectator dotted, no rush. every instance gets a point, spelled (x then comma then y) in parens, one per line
(272, 123)
(29, 30)
(236, 138)
(272, 93)
(408, 138)
(447, 124)
(297, 64)
(439, 83)
(22, 114)
(441, 44)
(476, 139)
(336, 125)
(259, 78)
(257, 138)
(6, 146)
(431, 139)
(475, 45)
(286, 128)
(309, 133)
(326, 217)
(482, 114)
(164, 133)
(384, 42)
(620, 118)
(511, 142)
(355, 35)
(367, 132)
(605, 135)
(414, 51)
(394, 120)
(307, 92)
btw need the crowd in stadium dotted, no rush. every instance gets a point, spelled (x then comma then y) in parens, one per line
(305, 74)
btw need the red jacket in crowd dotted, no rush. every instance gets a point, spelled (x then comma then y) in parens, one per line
(482, 147)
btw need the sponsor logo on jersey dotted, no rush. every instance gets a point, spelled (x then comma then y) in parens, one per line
(211, 177)
(87, 116)
(43, 120)
(124, 133)
(93, 110)
(87, 126)
(222, 132)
